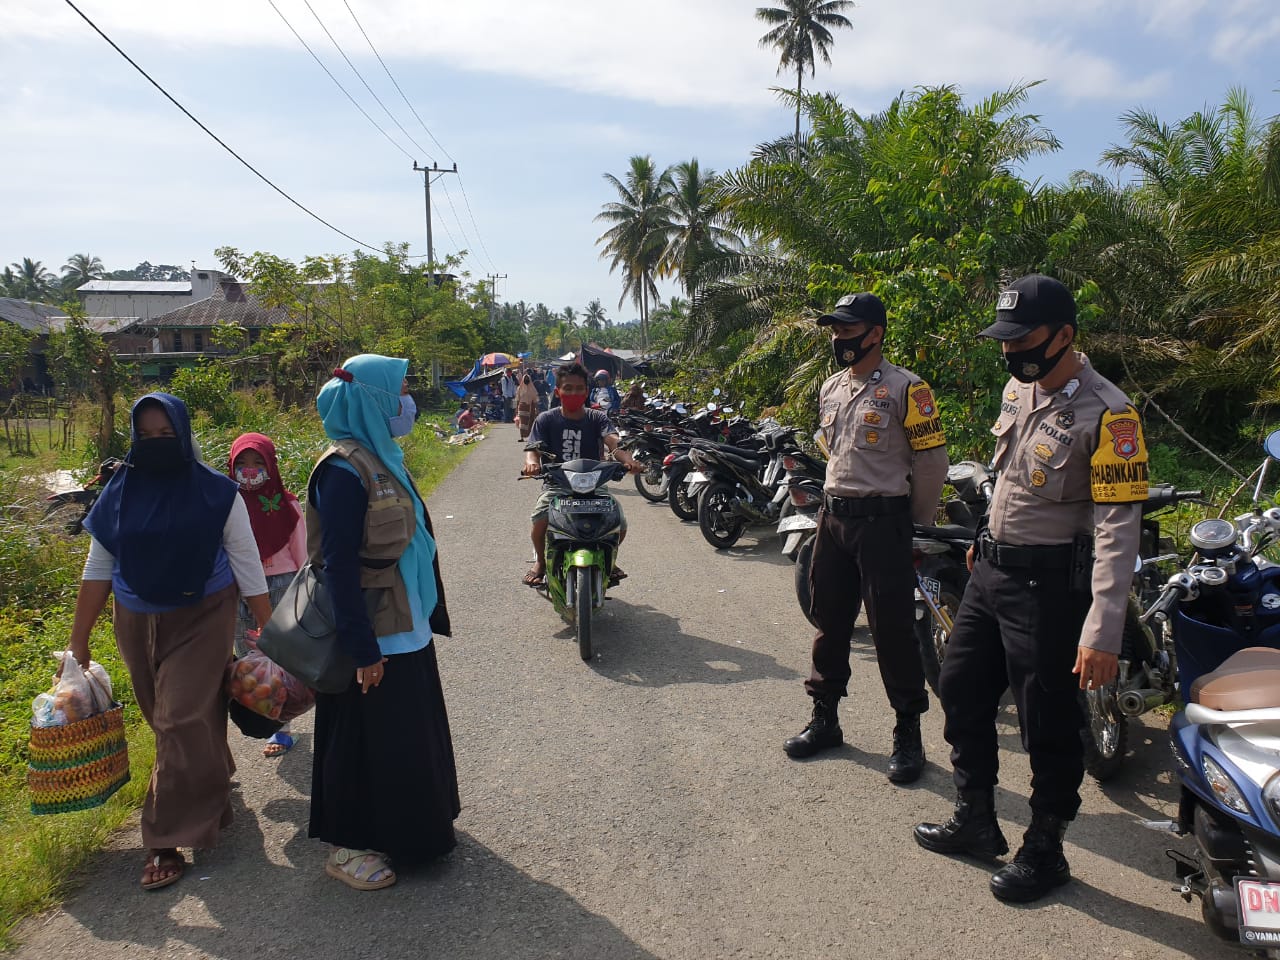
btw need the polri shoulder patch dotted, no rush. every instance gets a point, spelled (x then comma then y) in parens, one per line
(923, 422)
(1118, 471)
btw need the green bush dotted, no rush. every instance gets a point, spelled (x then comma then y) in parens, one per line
(206, 388)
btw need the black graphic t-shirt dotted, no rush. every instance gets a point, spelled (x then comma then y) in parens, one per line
(571, 439)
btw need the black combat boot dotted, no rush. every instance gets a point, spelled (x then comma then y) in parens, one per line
(1038, 866)
(906, 763)
(822, 733)
(972, 829)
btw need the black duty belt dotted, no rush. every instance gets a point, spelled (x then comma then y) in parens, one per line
(866, 506)
(1057, 556)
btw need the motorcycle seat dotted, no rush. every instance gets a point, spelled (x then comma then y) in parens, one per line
(1248, 680)
(950, 532)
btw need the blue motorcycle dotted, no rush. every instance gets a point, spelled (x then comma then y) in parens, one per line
(1224, 611)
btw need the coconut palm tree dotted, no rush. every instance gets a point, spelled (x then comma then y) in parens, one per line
(696, 233)
(81, 268)
(641, 223)
(34, 281)
(594, 318)
(801, 33)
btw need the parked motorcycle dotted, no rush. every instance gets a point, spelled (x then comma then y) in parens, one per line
(742, 487)
(583, 527)
(66, 511)
(1224, 614)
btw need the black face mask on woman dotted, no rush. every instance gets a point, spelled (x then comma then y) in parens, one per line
(851, 350)
(1028, 366)
(157, 455)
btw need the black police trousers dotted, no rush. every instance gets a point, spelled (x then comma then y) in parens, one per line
(1018, 629)
(865, 560)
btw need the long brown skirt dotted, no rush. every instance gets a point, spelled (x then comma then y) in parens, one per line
(176, 662)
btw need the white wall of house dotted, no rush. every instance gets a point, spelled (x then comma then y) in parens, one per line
(144, 306)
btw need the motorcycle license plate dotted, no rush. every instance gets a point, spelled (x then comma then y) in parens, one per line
(586, 506)
(1259, 912)
(797, 521)
(934, 588)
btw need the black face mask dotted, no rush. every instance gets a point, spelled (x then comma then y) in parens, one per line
(1028, 366)
(158, 455)
(851, 350)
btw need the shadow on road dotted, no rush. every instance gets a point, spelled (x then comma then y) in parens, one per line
(642, 646)
(235, 904)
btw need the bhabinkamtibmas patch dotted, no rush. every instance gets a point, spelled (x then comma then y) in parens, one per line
(1118, 471)
(922, 422)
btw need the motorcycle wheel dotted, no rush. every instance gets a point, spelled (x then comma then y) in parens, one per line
(933, 639)
(66, 517)
(804, 560)
(719, 525)
(682, 505)
(582, 606)
(1106, 730)
(651, 483)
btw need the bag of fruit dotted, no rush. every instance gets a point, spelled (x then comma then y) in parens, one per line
(264, 687)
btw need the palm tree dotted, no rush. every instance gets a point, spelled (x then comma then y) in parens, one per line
(81, 268)
(641, 222)
(696, 233)
(801, 33)
(594, 318)
(33, 281)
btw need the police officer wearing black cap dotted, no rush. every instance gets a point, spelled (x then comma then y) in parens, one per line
(1044, 610)
(887, 467)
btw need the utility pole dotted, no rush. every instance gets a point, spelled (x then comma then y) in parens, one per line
(493, 297)
(426, 186)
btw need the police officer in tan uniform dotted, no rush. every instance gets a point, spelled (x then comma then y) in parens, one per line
(887, 467)
(1044, 610)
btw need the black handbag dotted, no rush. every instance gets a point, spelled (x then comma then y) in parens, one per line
(302, 635)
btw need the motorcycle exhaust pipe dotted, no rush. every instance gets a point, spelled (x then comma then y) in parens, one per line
(1134, 703)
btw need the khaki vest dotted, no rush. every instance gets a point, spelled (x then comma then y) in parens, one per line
(388, 528)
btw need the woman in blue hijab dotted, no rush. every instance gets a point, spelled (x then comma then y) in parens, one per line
(383, 779)
(172, 540)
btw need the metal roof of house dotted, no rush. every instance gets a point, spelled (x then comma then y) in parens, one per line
(231, 304)
(32, 317)
(135, 286)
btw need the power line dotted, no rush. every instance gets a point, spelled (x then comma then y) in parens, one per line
(396, 85)
(458, 220)
(337, 82)
(215, 137)
(479, 237)
(359, 75)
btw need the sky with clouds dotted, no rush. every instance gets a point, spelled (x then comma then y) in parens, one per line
(533, 99)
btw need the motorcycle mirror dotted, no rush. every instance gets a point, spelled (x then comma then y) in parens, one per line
(715, 392)
(1272, 445)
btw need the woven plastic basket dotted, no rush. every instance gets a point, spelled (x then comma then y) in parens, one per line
(77, 766)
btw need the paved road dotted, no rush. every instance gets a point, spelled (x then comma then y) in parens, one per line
(640, 806)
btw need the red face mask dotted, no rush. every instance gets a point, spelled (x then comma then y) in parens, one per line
(572, 402)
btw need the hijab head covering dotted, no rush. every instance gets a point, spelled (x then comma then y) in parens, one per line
(164, 529)
(270, 512)
(360, 409)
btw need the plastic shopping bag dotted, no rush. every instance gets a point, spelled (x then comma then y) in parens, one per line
(76, 695)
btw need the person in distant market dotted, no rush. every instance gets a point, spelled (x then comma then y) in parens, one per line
(604, 394)
(540, 384)
(1044, 610)
(571, 431)
(508, 385)
(887, 468)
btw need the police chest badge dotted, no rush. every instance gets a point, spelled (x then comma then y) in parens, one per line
(1066, 419)
(1044, 452)
(1038, 478)
(1118, 469)
(871, 417)
(1011, 395)
(873, 437)
(828, 418)
(882, 393)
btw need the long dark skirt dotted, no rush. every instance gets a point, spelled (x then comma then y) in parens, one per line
(383, 777)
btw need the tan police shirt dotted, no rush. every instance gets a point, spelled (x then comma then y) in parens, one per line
(885, 438)
(1074, 463)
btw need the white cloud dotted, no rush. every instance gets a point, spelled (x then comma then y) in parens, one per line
(670, 52)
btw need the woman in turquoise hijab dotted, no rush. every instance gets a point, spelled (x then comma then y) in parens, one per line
(383, 781)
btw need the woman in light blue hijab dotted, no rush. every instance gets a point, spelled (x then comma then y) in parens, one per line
(384, 782)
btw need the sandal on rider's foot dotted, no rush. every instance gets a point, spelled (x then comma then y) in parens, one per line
(617, 576)
(279, 744)
(165, 867)
(534, 578)
(360, 869)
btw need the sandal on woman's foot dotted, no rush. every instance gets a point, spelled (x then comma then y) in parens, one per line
(279, 744)
(360, 869)
(164, 867)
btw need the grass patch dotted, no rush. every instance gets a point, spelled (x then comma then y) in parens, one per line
(39, 576)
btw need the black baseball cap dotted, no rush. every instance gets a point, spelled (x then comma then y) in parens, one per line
(855, 308)
(1029, 302)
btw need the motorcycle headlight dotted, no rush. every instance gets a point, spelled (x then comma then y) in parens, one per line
(1223, 787)
(1271, 793)
(584, 482)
